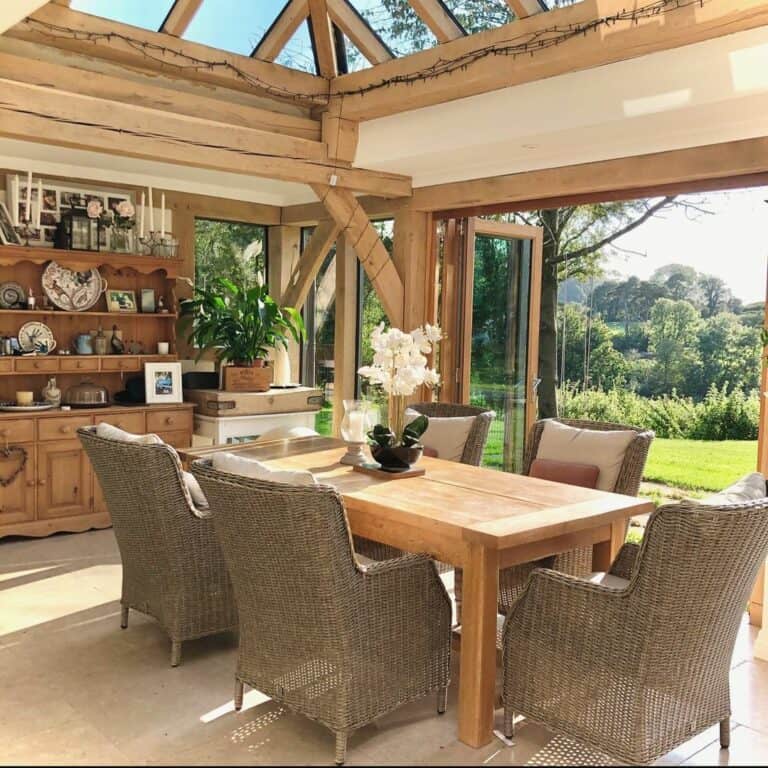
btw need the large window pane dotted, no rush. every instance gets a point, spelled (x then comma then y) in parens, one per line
(229, 249)
(148, 14)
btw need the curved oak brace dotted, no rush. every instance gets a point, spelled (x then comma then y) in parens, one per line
(345, 210)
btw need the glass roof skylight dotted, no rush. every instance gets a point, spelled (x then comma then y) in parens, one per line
(148, 14)
(397, 24)
(298, 52)
(476, 15)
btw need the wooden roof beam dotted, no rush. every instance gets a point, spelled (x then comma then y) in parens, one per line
(282, 30)
(389, 89)
(180, 17)
(524, 8)
(13, 11)
(438, 17)
(155, 51)
(359, 31)
(322, 38)
(55, 117)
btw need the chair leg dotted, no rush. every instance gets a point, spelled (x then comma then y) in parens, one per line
(124, 616)
(238, 695)
(175, 653)
(509, 723)
(341, 748)
(725, 733)
(442, 700)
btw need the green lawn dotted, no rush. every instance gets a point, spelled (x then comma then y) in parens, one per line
(699, 464)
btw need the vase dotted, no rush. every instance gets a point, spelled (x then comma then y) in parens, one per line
(398, 459)
(354, 430)
(120, 240)
(396, 414)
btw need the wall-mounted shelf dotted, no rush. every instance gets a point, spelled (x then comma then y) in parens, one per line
(82, 260)
(88, 313)
(54, 364)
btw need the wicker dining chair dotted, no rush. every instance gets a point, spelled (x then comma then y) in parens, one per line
(473, 454)
(576, 562)
(337, 643)
(173, 568)
(635, 670)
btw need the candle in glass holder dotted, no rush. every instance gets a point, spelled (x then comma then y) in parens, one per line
(282, 367)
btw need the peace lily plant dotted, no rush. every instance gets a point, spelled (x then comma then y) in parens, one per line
(400, 366)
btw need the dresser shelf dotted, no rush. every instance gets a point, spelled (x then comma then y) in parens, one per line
(88, 313)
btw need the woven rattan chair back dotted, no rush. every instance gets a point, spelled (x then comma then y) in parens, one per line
(173, 568)
(478, 435)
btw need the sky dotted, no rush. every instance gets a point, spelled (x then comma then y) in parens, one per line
(731, 242)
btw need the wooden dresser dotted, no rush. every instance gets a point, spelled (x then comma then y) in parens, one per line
(57, 491)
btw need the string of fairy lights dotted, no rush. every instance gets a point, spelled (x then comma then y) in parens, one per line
(522, 44)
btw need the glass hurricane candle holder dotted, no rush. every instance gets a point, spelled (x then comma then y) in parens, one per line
(357, 421)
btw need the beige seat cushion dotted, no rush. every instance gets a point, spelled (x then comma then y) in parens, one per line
(245, 467)
(751, 487)
(445, 435)
(192, 488)
(607, 580)
(604, 449)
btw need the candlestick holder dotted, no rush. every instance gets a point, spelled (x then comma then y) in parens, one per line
(158, 246)
(354, 427)
(25, 231)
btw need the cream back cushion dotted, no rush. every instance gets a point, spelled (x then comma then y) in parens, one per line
(604, 449)
(446, 435)
(751, 487)
(192, 488)
(245, 467)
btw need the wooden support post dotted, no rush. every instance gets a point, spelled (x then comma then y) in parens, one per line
(283, 249)
(305, 270)
(345, 333)
(322, 34)
(346, 211)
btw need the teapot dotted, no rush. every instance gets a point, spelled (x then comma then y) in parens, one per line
(83, 344)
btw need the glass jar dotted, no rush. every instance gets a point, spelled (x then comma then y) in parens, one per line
(357, 421)
(120, 240)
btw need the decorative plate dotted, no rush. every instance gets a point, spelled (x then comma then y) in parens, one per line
(36, 337)
(12, 295)
(11, 406)
(70, 290)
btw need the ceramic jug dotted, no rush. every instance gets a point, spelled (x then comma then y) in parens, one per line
(83, 344)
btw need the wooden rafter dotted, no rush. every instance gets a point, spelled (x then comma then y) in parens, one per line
(345, 210)
(13, 12)
(357, 29)
(71, 30)
(180, 16)
(55, 117)
(282, 30)
(439, 19)
(524, 8)
(148, 93)
(400, 85)
(322, 38)
(311, 260)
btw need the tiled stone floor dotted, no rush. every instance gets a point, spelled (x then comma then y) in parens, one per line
(76, 690)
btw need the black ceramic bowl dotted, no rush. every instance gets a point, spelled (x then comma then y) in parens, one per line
(397, 459)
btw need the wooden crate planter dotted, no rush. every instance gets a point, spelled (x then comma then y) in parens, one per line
(254, 379)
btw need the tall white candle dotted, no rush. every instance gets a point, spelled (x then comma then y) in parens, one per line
(141, 211)
(28, 200)
(162, 215)
(39, 202)
(151, 212)
(15, 200)
(356, 427)
(282, 364)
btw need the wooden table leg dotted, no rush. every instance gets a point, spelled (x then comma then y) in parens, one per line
(604, 552)
(477, 679)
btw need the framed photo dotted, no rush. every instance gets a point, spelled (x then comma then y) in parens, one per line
(8, 235)
(162, 382)
(147, 300)
(121, 301)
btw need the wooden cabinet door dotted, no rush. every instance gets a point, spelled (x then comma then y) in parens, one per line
(63, 480)
(17, 500)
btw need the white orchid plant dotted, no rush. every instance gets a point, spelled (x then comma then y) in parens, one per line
(400, 366)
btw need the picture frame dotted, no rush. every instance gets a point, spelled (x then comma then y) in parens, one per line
(119, 300)
(8, 235)
(148, 301)
(162, 383)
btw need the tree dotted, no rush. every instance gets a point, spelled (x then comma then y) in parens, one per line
(716, 293)
(673, 334)
(730, 353)
(227, 249)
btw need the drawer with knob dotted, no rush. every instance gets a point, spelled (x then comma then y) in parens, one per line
(130, 422)
(6, 364)
(79, 365)
(61, 428)
(169, 421)
(36, 365)
(16, 431)
(119, 363)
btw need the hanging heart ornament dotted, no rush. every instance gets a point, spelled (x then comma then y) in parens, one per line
(14, 453)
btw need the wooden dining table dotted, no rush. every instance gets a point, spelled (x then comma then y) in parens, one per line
(476, 519)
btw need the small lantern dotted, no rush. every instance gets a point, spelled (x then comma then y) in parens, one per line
(77, 231)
